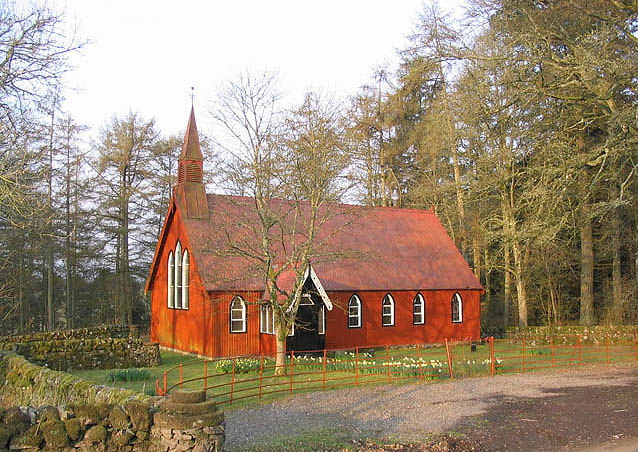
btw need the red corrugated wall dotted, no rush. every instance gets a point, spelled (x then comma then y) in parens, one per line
(438, 319)
(203, 328)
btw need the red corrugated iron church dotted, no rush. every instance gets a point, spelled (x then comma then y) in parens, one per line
(397, 279)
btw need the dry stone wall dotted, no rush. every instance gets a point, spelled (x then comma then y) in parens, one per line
(597, 334)
(23, 383)
(107, 347)
(98, 332)
(75, 415)
(134, 426)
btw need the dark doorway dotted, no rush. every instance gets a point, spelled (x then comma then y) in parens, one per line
(310, 322)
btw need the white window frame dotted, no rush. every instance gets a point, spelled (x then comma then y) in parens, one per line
(418, 301)
(456, 298)
(242, 310)
(356, 301)
(266, 319)
(387, 298)
(171, 281)
(178, 276)
(186, 265)
(306, 300)
(322, 320)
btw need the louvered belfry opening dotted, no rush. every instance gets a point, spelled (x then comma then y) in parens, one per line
(191, 161)
(190, 171)
(190, 192)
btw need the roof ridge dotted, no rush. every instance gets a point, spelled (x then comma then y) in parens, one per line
(361, 206)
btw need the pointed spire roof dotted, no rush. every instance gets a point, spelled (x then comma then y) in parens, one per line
(191, 149)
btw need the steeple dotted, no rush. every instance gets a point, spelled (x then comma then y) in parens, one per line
(191, 161)
(190, 192)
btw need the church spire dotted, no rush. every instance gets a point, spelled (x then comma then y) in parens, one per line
(190, 192)
(191, 161)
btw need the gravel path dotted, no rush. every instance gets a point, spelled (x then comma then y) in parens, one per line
(406, 412)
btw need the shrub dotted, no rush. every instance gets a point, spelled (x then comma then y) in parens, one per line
(128, 375)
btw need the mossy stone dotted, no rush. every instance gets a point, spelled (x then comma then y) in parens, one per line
(49, 413)
(188, 396)
(54, 434)
(121, 437)
(118, 418)
(16, 421)
(5, 436)
(104, 409)
(31, 438)
(73, 428)
(187, 421)
(140, 415)
(90, 414)
(96, 434)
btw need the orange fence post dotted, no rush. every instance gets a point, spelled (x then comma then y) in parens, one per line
(449, 359)
(205, 374)
(523, 352)
(551, 342)
(232, 383)
(261, 375)
(418, 357)
(387, 359)
(164, 383)
(635, 346)
(292, 368)
(607, 348)
(181, 375)
(580, 350)
(492, 364)
(356, 371)
(324, 369)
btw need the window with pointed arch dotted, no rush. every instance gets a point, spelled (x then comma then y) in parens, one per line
(457, 308)
(237, 315)
(178, 275)
(186, 265)
(178, 278)
(170, 294)
(387, 310)
(354, 312)
(418, 311)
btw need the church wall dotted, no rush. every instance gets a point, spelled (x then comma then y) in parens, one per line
(438, 324)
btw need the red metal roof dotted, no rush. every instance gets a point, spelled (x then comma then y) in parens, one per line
(358, 248)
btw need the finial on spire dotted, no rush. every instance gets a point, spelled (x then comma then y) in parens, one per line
(192, 96)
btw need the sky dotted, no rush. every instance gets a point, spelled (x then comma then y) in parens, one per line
(144, 56)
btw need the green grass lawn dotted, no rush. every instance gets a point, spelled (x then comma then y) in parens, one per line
(378, 366)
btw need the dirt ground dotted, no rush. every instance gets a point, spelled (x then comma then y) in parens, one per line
(598, 417)
(582, 410)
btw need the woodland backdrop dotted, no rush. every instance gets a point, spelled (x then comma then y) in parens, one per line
(518, 124)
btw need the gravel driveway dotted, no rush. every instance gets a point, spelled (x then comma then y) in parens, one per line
(409, 412)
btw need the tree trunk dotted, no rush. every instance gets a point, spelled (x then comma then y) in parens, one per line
(617, 292)
(586, 265)
(67, 234)
(521, 293)
(476, 251)
(507, 262)
(280, 334)
(507, 289)
(50, 312)
(21, 303)
(488, 282)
